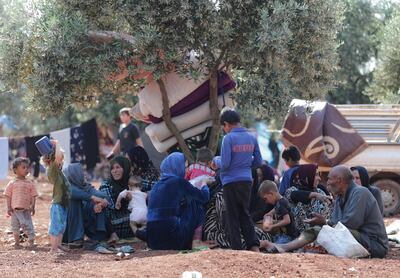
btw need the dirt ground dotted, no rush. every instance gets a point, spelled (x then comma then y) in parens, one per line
(212, 263)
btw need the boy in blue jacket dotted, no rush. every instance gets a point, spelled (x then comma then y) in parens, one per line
(239, 153)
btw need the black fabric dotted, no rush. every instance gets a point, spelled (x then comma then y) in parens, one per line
(302, 196)
(90, 143)
(33, 154)
(238, 220)
(127, 137)
(281, 209)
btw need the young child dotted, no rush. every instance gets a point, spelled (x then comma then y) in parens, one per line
(204, 159)
(285, 225)
(21, 194)
(58, 209)
(137, 204)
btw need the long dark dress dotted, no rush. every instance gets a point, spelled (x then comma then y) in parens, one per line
(176, 207)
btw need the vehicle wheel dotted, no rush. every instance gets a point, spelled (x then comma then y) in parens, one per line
(390, 196)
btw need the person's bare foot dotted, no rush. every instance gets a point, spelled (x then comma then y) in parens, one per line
(113, 238)
(266, 244)
(272, 247)
(255, 249)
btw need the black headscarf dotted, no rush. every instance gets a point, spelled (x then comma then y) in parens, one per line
(118, 186)
(141, 163)
(364, 177)
(140, 160)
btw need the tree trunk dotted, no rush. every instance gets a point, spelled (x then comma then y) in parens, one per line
(215, 129)
(170, 124)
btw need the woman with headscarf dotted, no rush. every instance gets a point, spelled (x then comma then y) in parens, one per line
(306, 197)
(86, 209)
(258, 207)
(176, 207)
(118, 181)
(143, 167)
(361, 177)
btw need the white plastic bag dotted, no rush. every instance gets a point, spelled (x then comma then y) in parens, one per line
(393, 228)
(199, 182)
(339, 241)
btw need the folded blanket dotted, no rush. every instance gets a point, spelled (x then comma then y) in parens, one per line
(321, 133)
(163, 146)
(200, 114)
(197, 97)
(177, 88)
(189, 91)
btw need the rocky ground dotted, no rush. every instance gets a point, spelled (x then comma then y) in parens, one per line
(38, 262)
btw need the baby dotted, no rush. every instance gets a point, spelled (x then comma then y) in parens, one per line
(20, 194)
(137, 204)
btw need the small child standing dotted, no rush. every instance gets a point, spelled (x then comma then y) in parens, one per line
(285, 225)
(202, 167)
(137, 204)
(58, 209)
(21, 194)
(204, 159)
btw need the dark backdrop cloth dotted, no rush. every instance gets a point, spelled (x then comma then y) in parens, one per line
(321, 133)
(77, 147)
(90, 143)
(33, 154)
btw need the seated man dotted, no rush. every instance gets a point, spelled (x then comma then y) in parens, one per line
(355, 207)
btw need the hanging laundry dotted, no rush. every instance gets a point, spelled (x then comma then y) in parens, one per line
(17, 147)
(63, 138)
(90, 143)
(77, 139)
(33, 154)
(3, 158)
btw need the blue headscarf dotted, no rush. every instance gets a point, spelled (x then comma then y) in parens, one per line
(173, 165)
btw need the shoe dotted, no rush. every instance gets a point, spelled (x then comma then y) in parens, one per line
(77, 244)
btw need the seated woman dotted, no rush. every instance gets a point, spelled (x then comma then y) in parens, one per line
(361, 177)
(258, 208)
(118, 181)
(143, 167)
(86, 210)
(306, 197)
(176, 207)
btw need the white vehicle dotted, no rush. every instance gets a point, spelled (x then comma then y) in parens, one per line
(379, 125)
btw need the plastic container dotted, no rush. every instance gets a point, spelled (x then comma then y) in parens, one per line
(44, 145)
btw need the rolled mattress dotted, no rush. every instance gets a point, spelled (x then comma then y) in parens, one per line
(200, 114)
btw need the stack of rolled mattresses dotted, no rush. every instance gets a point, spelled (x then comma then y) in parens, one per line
(189, 105)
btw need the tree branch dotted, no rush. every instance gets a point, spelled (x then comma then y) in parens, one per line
(109, 37)
(170, 124)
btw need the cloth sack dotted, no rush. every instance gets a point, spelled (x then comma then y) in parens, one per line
(339, 241)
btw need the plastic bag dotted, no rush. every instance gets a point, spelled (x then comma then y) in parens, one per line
(339, 241)
(199, 182)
